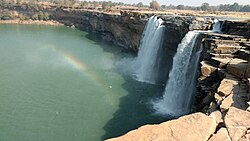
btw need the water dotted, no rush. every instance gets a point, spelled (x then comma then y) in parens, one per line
(146, 62)
(216, 26)
(60, 84)
(180, 88)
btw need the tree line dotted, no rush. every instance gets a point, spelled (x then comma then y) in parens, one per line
(206, 7)
(153, 5)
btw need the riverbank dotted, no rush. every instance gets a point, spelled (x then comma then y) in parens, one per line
(37, 22)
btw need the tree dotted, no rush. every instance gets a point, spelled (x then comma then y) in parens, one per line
(140, 4)
(107, 5)
(205, 6)
(180, 7)
(163, 6)
(154, 5)
(235, 7)
(245, 8)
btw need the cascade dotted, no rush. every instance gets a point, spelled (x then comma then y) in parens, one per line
(180, 88)
(151, 42)
(216, 26)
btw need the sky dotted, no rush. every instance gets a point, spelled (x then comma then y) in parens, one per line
(185, 2)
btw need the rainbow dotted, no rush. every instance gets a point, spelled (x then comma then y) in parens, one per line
(81, 67)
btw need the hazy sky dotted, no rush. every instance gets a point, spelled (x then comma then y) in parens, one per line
(185, 2)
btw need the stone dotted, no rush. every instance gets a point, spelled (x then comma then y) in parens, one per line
(248, 109)
(194, 127)
(217, 116)
(238, 67)
(218, 98)
(226, 103)
(236, 99)
(237, 122)
(245, 138)
(212, 107)
(221, 62)
(206, 69)
(227, 85)
(221, 135)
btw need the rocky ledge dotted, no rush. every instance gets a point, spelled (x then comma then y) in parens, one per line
(232, 126)
(223, 96)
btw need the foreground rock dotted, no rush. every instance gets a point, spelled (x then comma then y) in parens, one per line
(238, 123)
(222, 135)
(194, 127)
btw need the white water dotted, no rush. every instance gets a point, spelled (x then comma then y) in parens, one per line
(153, 35)
(180, 88)
(216, 26)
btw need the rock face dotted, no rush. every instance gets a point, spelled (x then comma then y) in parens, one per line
(122, 30)
(237, 122)
(236, 28)
(195, 127)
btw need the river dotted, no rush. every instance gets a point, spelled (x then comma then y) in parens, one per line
(61, 84)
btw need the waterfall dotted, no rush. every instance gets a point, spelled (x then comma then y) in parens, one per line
(216, 26)
(179, 92)
(146, 61)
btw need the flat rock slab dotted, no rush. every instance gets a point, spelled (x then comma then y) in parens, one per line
(194, 127)
(221, 135)
(238, 67)
(227, 85)
(237, 122)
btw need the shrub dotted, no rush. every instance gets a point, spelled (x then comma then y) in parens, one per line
(6, 15)
(41, 16)
(35, 17)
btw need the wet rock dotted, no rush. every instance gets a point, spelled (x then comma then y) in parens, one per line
(221, 135)
(237, 122)
(194, 127)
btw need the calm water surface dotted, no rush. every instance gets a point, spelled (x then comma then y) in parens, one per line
(60, 84)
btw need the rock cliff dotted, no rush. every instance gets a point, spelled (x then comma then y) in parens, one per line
(223, 95)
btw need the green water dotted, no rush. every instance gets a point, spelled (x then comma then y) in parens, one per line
(60, 84)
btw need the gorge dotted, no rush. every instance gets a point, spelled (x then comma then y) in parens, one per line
(181, 72)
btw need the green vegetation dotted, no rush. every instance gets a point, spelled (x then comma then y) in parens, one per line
(206, 7)
(38, 5)
(41, 16)
(154, 5)
(6, 15)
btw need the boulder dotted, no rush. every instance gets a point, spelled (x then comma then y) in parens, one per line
(226, 103)
(206, 69)
(227, 85)
(237, 122)
(238, 97)
(194, 127)
(238, 67)
(221, 135)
